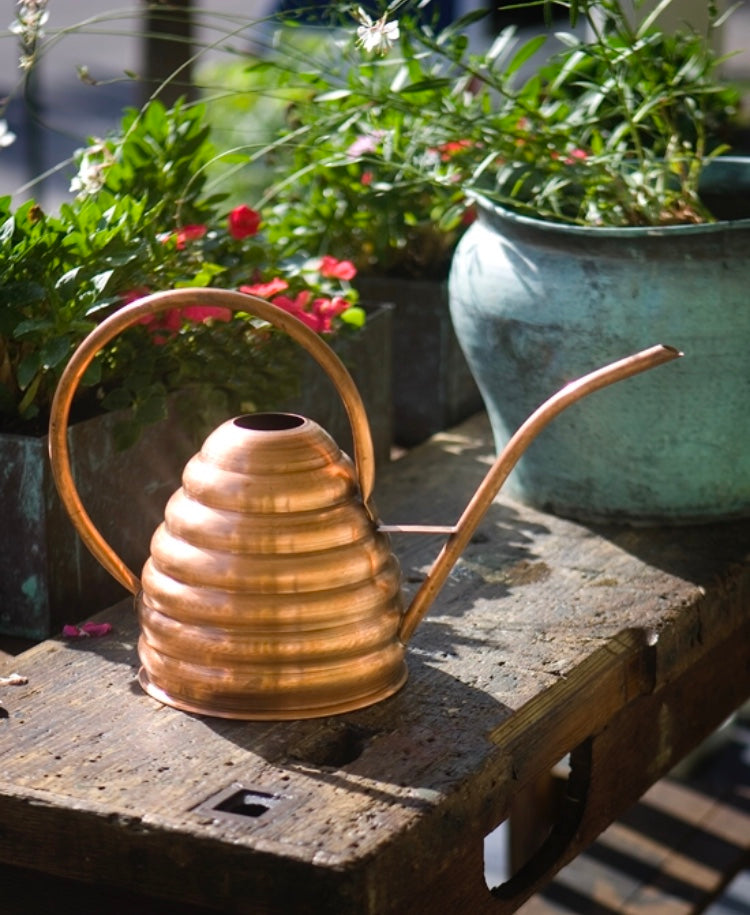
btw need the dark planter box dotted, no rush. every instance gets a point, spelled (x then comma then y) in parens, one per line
(432, 385)
(47, 575)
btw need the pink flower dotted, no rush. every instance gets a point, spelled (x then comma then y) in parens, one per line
(576, 155)
(366, 143)
(298, 303)
(243, 221)
(317, 314)
(326, 310)
(297, 307)
(266, 290)
(186, 234)
(322, 310)
(340, 270)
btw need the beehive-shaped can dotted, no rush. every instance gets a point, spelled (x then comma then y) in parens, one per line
(269, 592)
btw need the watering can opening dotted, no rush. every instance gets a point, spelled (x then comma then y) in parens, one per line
(268, 422)
(271, 591)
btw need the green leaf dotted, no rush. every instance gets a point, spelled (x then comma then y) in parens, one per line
(125, 434)
(6, 231)
(100, 280)
(54, 351)
(32, 326)
(568, 39)
(152, 410)
(501, 44)
(117, 399)
(93, 374)
(68, 280)
(27, 370)
(20, 295)
(333, 96)
(525, 52)
(354, 316)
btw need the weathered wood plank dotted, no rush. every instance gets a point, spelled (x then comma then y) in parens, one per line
(546, 634)
(640, 744)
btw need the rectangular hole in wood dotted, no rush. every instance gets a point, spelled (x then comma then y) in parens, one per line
(240, 804)
(247, 803)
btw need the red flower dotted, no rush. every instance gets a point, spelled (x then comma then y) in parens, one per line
(469, 216)
(326, 310)
(165, 325)
(133, 295)
(199, 314)
(266, 290)
(323, 311)
(189, 233)
(448, 150)
(297, 306)
(367, 178)
(243, 221)
(340, 270)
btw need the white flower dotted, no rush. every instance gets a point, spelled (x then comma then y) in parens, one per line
(30, 17)
(365, 144)
(6, 136)
(376, 35)
(92, 171)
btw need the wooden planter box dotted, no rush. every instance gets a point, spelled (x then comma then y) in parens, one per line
(432, 385)
(47, 575)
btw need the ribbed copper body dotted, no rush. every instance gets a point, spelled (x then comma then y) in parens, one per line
(269, 592)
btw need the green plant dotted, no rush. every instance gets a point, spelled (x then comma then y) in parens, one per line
(143, 220)
(321, 187)
(399, 129)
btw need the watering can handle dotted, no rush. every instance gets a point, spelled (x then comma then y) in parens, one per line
(174, 299)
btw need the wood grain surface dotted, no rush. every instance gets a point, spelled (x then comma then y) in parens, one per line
(550, 636)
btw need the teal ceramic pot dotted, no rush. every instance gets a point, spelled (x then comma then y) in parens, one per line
(535, 304)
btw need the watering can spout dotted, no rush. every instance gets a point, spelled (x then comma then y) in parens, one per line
(462, 532)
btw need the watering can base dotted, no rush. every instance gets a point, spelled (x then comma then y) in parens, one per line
(344, 704)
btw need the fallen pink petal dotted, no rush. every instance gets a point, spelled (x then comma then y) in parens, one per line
(86, 630)
(97, 629)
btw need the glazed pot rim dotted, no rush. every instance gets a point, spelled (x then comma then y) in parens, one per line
(490, 208)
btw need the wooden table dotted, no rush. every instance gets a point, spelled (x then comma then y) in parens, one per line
(623, 647)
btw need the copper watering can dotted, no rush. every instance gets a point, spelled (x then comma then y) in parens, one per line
(271, 591)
